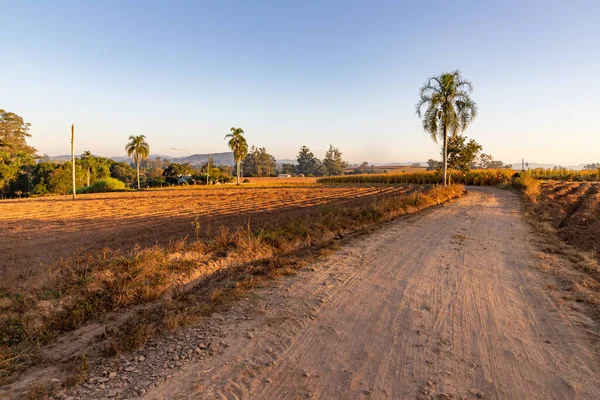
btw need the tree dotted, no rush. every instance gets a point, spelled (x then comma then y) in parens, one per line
(288, 169)
(307, 162)
(15, 153)
(139, 149)
(123, 172)
(461, 154)
(591, 167)
(259, 163)
(176, 171)
(434, 165)
(237, 143)
(333, 163)
(486, 161)
(448, 108)
(87, 161)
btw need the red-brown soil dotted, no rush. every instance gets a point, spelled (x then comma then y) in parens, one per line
(573, 208)
(36, 233)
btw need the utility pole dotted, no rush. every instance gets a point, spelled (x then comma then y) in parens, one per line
(522, 164)
(73, 157)
(208, 169)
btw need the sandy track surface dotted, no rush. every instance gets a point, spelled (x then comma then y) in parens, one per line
(446, 304)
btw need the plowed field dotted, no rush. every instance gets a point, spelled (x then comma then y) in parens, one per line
(574, 210)
(37, 233)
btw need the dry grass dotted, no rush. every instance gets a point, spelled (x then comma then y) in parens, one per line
(218, 269)
(35, 234)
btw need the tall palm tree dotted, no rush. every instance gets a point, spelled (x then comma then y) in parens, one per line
(237, 143)
(139, 149)
(449, 109)
(87, 160)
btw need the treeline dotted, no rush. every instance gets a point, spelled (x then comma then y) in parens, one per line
(47, 177)
(464, 156)
(258, 162)
(24, 173)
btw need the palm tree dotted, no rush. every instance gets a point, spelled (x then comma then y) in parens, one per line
(237, 143)
(88, 162)
(140, 149)
(449, 109)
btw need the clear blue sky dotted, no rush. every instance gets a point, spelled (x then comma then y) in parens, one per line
(302, 73)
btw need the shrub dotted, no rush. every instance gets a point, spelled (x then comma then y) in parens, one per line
(528, 185)
(104, 185)
(246, 180)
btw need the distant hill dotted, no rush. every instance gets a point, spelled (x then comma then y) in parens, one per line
(225, 158)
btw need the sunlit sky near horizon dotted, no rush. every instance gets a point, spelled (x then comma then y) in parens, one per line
(310, 73)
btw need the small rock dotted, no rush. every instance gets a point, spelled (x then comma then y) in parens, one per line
(54, 380)
(197, 350)
(111, 393)
(112, 375)
(141, 358)
(203, 346)
(268, 380)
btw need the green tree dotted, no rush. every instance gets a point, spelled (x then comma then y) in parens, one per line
(123, 172)
(15, 153)
(237, 143)
(288, 169)
(59, 181)
(40, 177)
(175, 171)
(448, 109)
(307, 162)
(259, 163)
(333, 162)
(139, 149)
(88, 163)
(461, 154)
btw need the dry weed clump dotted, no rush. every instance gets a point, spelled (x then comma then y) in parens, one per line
(219, 269)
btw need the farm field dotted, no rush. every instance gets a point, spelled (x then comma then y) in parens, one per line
(573, 208)
(36, 233)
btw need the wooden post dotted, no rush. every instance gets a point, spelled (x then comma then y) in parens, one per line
(73, 157)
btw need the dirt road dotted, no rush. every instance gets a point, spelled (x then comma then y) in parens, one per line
(446, 304)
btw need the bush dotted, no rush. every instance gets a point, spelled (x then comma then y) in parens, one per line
(104, 185)
(528, 185)
(246, 180)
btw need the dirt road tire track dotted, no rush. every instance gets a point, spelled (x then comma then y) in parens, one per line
(447, 303)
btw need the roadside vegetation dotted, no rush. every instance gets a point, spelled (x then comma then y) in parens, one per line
(475, 177)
